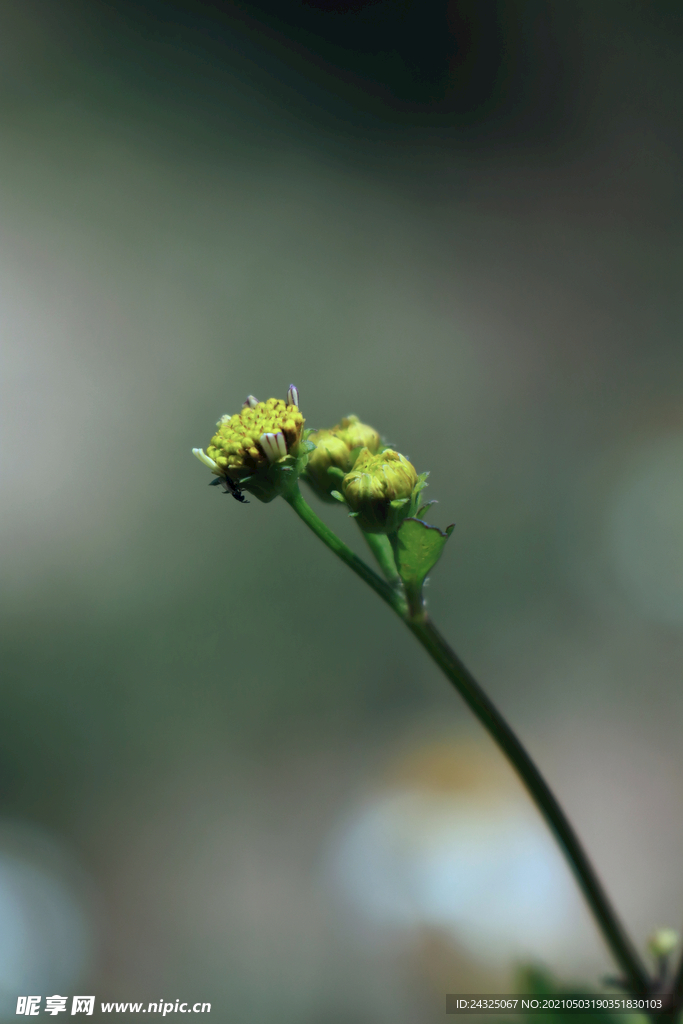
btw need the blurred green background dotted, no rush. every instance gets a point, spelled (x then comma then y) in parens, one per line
(227, 774)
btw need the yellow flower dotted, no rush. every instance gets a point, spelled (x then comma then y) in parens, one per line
(258, 447)
(255, 437)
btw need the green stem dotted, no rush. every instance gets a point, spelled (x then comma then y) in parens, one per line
(492, 720)
(677, 987)
(392, 597)
(380, 545)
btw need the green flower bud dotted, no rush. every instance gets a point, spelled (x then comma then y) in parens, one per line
(331, 453)
(381, 490)
(357, 435)
(260, 449)
(334, 455)
(662, 942)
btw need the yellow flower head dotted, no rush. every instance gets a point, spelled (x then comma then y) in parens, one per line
(260, 449)
(255, 437)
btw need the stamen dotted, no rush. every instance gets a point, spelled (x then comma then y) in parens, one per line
(206, 459)
(293, 395)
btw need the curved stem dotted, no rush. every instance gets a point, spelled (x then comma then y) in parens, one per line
(392, 597)
(492, 720)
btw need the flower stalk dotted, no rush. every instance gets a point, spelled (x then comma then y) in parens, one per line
(265, 450)
(490, 717)
(388, 594)
(380, 545)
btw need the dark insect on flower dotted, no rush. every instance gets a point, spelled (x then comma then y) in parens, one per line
(230, 487)
(235, 490)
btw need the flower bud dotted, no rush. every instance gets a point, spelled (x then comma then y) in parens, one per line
(357, 435)
(381, 490)
(334, 454)
(328, 463)
(662, 942)
(260, 449)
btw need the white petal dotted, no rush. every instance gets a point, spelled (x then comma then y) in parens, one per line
(250, 401)
(206, 459)
(224, 419)
(293, 395)
(269, 445)
(281, 444)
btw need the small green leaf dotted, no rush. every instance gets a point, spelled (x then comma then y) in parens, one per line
(305, 447)
(421, 483)
(418, 548)
(338, 496)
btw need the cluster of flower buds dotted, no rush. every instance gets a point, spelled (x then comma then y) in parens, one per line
(336, 451)
(351, 464)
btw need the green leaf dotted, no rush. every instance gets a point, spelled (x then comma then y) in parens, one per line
(537, 981)
(338, 496)
(418, 547)
(305, 447)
